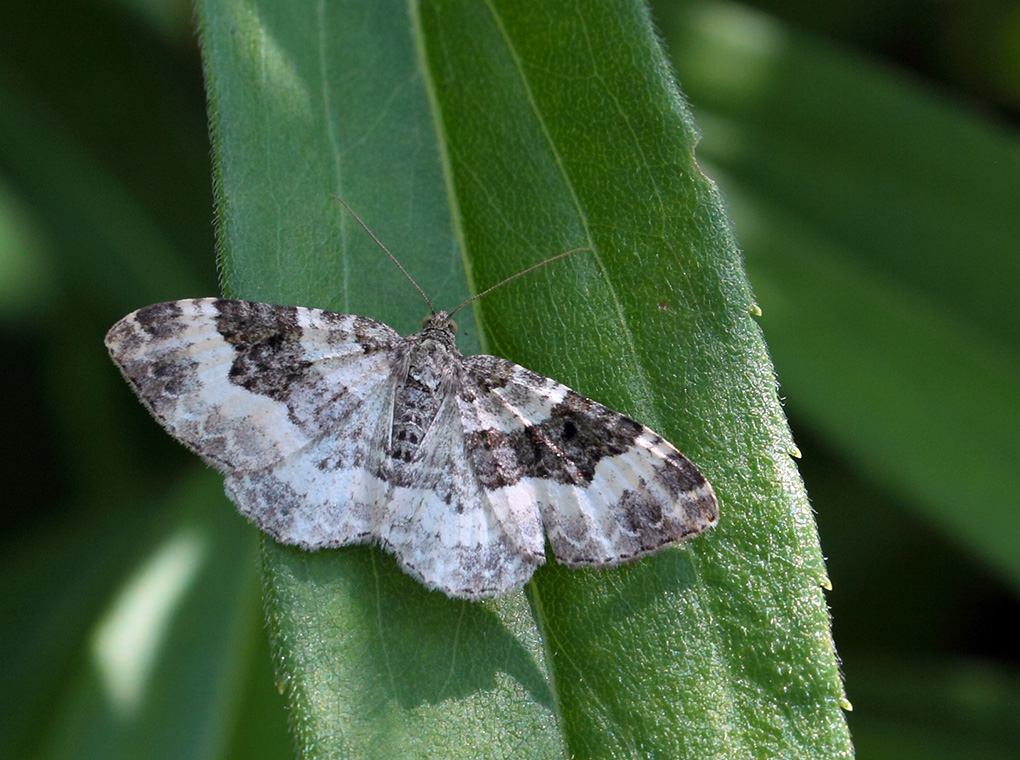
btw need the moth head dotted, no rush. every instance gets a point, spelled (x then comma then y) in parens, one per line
(443, 320)
(440, 320)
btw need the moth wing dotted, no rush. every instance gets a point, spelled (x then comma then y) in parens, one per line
(330, 492)
(449, 531)
(609, 489)
(248, 384)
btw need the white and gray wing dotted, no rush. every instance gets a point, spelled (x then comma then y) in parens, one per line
(431, 513)
(247, 384)
(290, 403)
(445, 528)
(609, 490)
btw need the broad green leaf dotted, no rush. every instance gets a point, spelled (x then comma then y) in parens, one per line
(137, 656)
(880, 225)
(477, 139)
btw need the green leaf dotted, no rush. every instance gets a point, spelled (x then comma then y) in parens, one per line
(138, 656)
(477, 139)
(880, 226)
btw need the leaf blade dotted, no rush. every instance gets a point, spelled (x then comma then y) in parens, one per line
(880, 228)
(666, 306)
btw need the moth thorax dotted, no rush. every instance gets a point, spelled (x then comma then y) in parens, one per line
(430, 378)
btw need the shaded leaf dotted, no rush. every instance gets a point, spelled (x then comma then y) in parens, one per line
(477, 139)
(881, 229)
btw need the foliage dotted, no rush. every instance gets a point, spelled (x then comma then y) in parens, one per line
(877, 225)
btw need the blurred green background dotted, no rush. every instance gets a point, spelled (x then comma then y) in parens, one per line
(869, 154)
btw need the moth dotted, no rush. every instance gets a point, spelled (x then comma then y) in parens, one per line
(333, 430)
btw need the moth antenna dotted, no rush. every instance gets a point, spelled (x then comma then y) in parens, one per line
(529, 270)
(393, 258)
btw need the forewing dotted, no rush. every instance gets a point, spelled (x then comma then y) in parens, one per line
(609, 489)
(246, 384)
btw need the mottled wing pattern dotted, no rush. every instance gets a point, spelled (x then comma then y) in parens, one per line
(247, 385)
(445, 528)
(332, 430)
(609, 490)
(295, 406)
